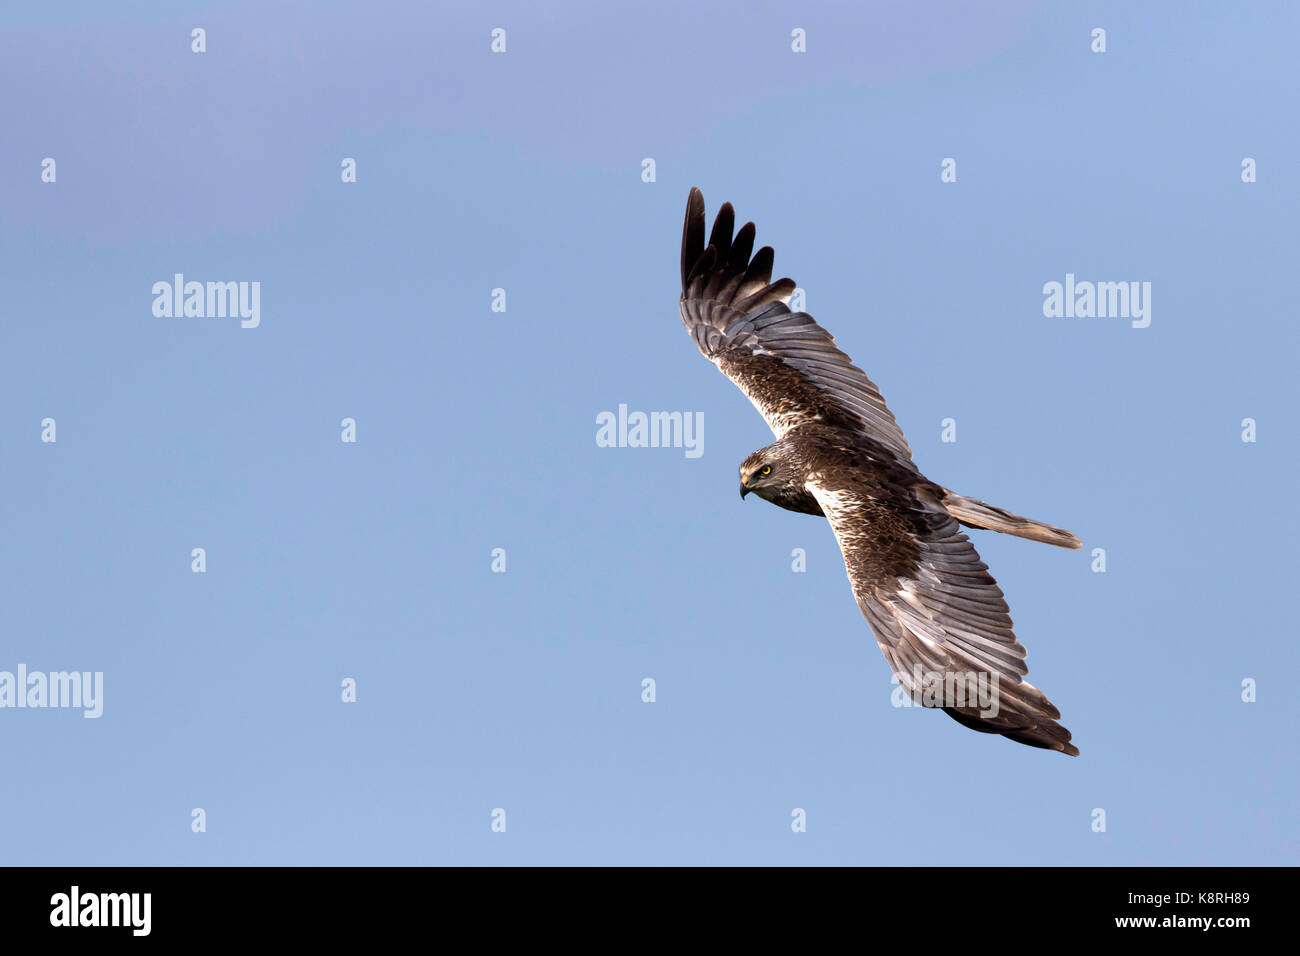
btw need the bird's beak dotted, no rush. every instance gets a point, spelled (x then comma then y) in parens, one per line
(743, 490)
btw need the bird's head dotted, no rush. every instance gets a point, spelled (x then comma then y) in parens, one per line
(771, 473)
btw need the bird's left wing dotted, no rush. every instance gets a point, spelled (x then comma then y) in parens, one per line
(784, 362)
(937, 613)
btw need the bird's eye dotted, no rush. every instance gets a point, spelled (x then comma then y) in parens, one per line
(765, 470)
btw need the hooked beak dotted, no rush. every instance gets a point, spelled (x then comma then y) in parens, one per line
(743, 490)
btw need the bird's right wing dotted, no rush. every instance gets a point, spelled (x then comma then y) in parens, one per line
(784, 362)
(937, 613)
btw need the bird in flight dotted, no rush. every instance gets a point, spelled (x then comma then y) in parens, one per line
(937, 613)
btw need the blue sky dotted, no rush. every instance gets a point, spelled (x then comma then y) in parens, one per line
(476, 430)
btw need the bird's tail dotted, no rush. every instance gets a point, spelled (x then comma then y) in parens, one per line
(977, 514)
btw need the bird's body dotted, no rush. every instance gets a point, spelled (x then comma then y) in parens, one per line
(938, 615)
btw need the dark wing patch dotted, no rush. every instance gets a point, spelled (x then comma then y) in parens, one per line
(937, 613)
(784, 362)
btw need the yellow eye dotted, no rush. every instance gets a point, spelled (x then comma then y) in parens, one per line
(765, 470)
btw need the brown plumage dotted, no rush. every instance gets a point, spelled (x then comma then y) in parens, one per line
(938, 615)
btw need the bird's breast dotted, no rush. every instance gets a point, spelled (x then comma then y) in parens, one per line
(801, 501)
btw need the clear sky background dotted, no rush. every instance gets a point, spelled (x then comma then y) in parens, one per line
(476, 429)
